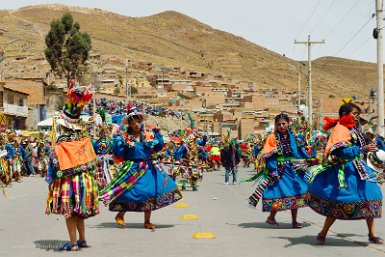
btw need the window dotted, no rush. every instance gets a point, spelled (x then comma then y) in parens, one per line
(21, 101)
(1, 99)
(10, 99)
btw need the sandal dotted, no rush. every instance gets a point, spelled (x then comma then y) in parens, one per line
(320, 240)
(272, 222)
(119, 220)
(296, 224)
(376, 240)
(82, 243)
(67, 247)
(149, 226)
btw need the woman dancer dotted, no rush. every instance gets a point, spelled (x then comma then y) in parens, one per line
(141, 185)
(282, 181)
(73, 190)
(344, 187)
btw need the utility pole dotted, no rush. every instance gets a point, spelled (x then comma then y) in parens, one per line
(309, 90)
(380, 71)
(126, 77)
(131, 79)
(94, 111)
(299, 88)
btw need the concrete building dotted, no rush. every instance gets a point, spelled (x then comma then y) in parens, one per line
(203, 90)
(13, 107)
(231, 127)
(211, 100)
(189, 104)
(246, 127)
(37, 110)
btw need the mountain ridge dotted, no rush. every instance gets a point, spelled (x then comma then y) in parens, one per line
(175, 39)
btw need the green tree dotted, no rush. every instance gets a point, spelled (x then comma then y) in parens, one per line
(117, 90)
(67, 48)
(134, 90)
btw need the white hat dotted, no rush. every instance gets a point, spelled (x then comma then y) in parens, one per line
(376, 161)
(62, 121)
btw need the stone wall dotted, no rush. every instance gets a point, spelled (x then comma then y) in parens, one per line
(54, 101)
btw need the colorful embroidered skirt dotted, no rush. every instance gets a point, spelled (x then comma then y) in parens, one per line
(286, 194)
(5, 173)
(361, 199)
(103, 172)
(74, 195)
(140, 186)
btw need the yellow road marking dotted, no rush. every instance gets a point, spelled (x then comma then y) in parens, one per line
(204, 235)
(181, 205)
(189, 217)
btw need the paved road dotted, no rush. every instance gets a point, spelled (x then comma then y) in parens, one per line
(222, 209)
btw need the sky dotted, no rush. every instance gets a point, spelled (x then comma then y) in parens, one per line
(345, 25)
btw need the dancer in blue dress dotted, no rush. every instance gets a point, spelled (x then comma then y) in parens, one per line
(344, 187)
(141, 185)
(283, 179)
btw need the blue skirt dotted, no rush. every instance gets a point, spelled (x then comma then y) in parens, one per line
(287, 193)
(361, 199)
(151, 190)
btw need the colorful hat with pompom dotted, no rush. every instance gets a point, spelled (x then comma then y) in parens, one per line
(132, 112)
(76, 98)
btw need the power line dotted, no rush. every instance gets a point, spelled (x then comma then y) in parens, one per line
(343, 18)
(323, 16)
(362, 44)
(317, 50)
(350, 40)
(308, 19)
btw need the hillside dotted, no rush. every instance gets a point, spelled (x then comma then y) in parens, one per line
(171, 38)
(352, 75)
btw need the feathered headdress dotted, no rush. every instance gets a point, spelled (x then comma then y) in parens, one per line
(76, 98)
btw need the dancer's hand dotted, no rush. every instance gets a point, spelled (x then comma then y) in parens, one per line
(276, 178)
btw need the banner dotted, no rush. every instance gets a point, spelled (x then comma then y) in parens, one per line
(74, 153)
